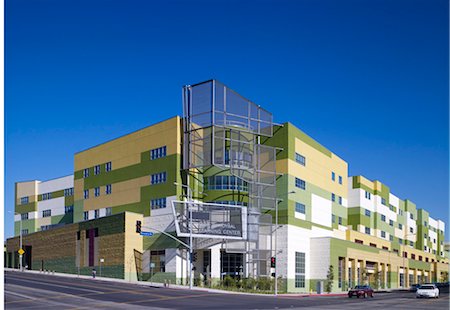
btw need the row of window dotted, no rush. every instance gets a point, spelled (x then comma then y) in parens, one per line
(68, 192)
(158, 178)
(158, 153)
(333, 177)
(333, 198)
(97, 169)
(46, 196)
(333, 219)
(224, 182)
(108, 190)
(158, 203)
(108, 211)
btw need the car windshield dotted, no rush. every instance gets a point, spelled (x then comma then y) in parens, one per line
(426, 287)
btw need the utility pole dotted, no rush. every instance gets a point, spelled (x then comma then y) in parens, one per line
(20, 240)
(189, 197)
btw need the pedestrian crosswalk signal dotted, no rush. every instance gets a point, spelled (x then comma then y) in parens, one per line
(138, 226)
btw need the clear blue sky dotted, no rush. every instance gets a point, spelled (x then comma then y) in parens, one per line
(368, 79)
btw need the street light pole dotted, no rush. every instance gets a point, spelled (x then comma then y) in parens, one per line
(189, 197)
(20, 239)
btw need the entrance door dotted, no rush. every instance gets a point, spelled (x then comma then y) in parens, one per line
(232, 264)
(27, 257)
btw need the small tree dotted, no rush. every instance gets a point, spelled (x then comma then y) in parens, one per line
(444, 277)
(330, 278)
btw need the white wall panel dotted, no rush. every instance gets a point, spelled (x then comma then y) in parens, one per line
(56, 205)
(55, 184)
(321, 210)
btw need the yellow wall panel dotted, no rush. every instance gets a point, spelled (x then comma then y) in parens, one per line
(122, 193)
(126, 150)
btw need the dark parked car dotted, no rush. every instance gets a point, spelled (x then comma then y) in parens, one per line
(361, 291)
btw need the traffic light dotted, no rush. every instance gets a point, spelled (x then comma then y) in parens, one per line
(273, 262)
(138, 226)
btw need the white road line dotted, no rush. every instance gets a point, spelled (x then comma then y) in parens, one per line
(20, 295)
(57, 285)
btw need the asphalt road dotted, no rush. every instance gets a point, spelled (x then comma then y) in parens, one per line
(36, 291)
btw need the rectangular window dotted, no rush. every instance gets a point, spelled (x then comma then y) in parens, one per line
(158, 178)
(340, 220)
(400, 240)
(391, 223)
(108, 189)
(159, 203)
(383, 234)
(86, 215)
(46, 196)
(86, 173)
(400, 211)
(299, 269)
(367, 230)
(108, 211)
(300, 159)
(368, 195)
(411, 230)
(97, 191)
(367, 212)
(46, 213)
(333, 197)
(96, 214)
(411, 216)
(413, 256)
(24, 216)
(383, 201)
(300, 183)
(391, 207)
(373, 245)
(340, 200)
(359, 241)
(425, 223)
(402, 280)
(333, 218)
(86, 194)
(333, 176)
(383, 217)
(340, 179)
(24, 231)
(299, 207)
(97, 170)
(411, 243)
(425, 248)
(158, 153)
(158, 260)
(68, 192)
(400, 226)
(340, 271)
(68, 209)
(23, 200)
(108, 166)
(391, 238)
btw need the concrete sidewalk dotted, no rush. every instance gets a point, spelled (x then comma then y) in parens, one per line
(174, 286)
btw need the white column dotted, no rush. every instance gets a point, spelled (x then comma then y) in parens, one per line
(215, 262)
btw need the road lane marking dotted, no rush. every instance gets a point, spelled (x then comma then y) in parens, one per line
(59, 285)
(20, 295)
(58, 282)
